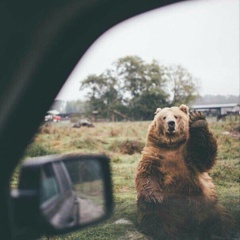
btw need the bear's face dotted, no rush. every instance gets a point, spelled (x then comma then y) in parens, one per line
(172, 124)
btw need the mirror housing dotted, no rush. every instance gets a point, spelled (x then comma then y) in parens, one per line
(62, 193)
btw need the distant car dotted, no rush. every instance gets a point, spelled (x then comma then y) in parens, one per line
(83, 123)
(52, 118)
(56, 118)
(48, 118)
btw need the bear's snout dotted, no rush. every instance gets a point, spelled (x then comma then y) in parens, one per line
(171, 126)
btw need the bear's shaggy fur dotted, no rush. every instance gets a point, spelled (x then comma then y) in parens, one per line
(176, 198)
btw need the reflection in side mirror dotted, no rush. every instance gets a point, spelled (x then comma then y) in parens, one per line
(68, 192)
(89, 186)
(72, 192)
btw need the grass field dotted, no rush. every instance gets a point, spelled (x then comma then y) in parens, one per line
(123, 143)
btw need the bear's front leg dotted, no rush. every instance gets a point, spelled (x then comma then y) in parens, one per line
(148, 180)
(149, 199)
(148, 188)
(202, 146)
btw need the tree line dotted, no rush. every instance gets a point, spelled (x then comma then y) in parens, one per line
(135, 88)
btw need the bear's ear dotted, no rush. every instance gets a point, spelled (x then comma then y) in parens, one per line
(158, 110)
(184, 108)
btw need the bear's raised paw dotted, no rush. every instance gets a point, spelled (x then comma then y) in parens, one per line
(197, 119)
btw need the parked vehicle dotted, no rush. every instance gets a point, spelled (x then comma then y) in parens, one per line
(48, 118)
(52, 118)
(56, 118)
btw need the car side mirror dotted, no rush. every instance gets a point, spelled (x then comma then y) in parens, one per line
(62, 193)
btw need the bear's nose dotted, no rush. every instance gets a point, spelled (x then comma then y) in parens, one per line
(171, 124)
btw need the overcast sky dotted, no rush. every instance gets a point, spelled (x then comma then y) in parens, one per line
(202, 36)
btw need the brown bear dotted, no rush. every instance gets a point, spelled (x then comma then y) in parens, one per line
(176, 198)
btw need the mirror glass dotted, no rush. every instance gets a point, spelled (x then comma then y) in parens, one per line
(72, 192)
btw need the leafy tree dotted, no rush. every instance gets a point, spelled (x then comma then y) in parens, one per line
(102, 93)
(138, 76)
(136, 88)
(146, 104)
(144, 86)
(184, 87)
(131, 73)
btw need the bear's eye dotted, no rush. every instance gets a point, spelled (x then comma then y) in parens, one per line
(176, 117)
(164, 118)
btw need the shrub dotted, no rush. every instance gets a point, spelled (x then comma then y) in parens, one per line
(131, 147)
(87, 143)
(36, 149)
(127, 147)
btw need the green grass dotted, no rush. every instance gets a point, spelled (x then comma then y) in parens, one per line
(122, 142)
